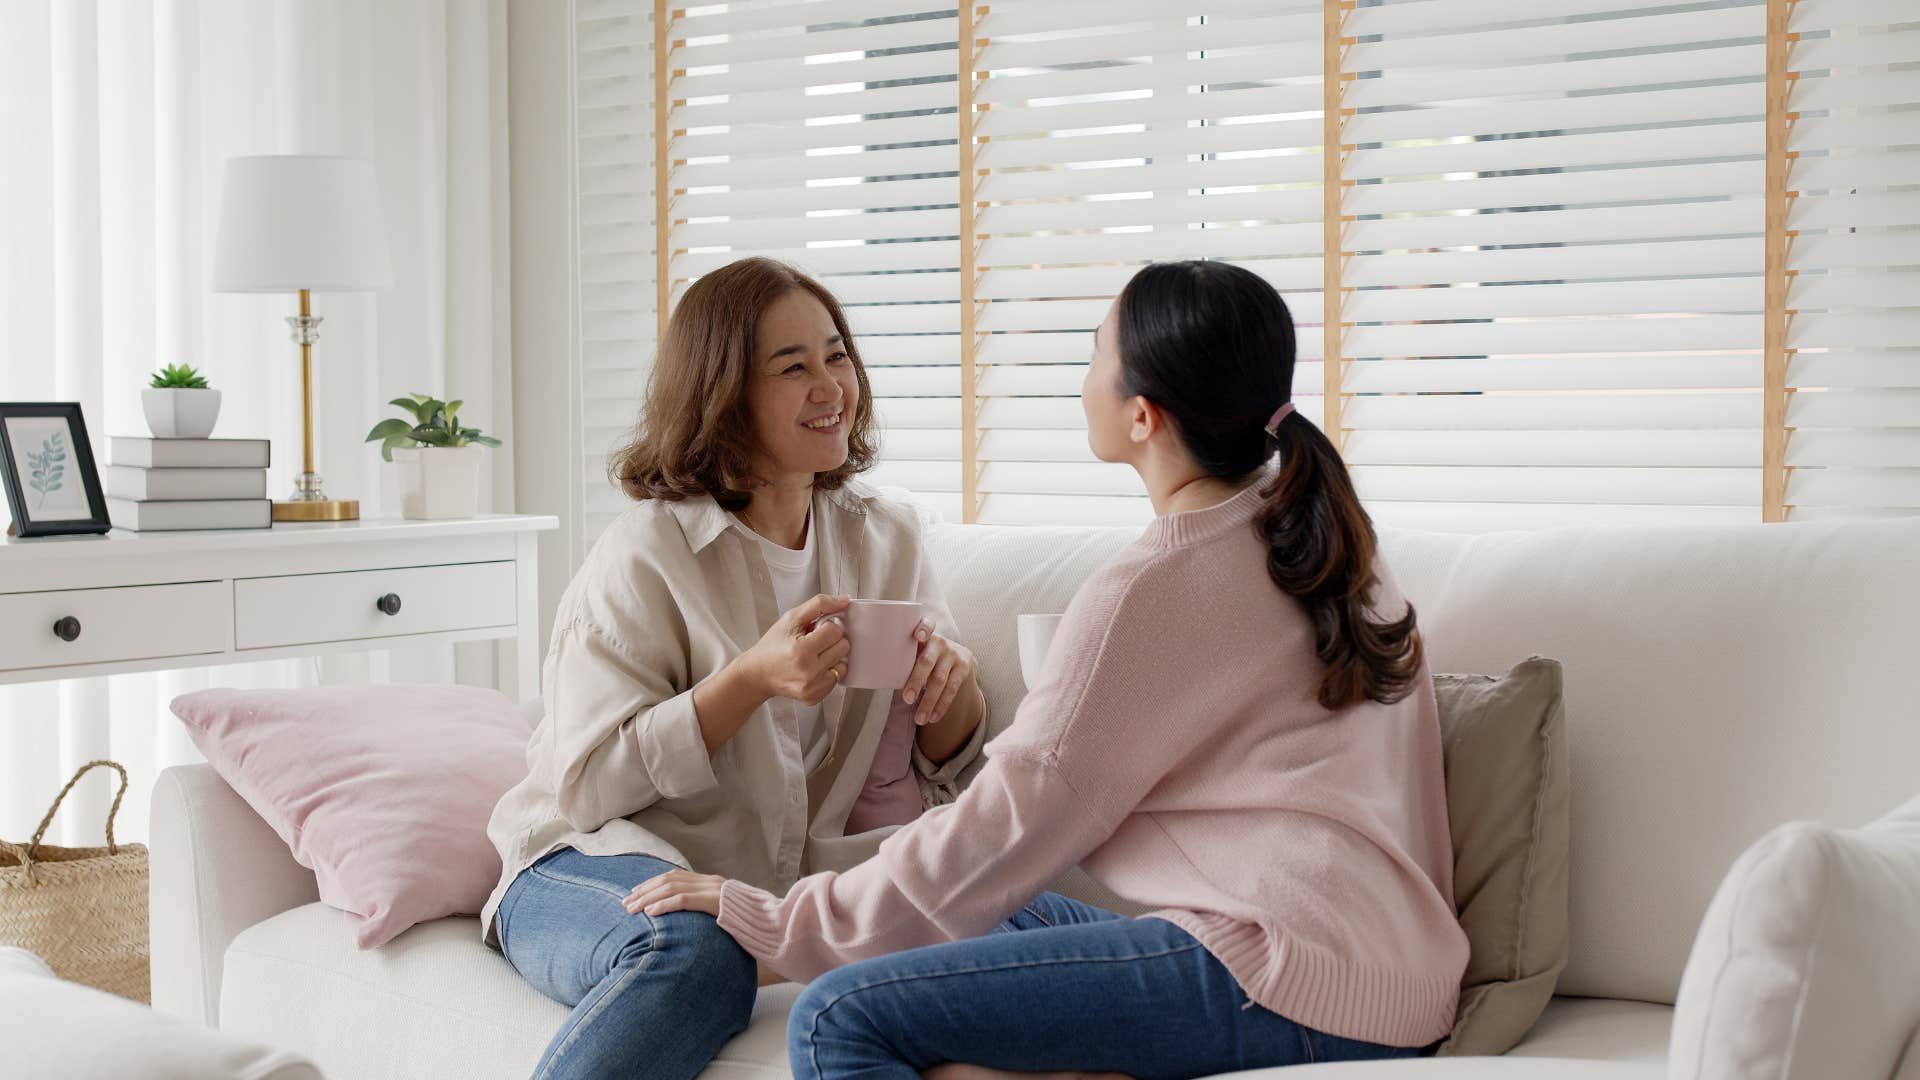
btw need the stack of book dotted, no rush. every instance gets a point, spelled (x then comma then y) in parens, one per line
(168, 484)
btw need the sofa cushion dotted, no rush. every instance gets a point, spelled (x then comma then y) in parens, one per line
(1599, 1029)
(432, 1003)
(50, 1027)
(1506, 760)
(1805, 964)
(382, 791)
(1720, 680)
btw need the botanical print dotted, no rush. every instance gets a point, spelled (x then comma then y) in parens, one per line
(49, 467)
(43, 460)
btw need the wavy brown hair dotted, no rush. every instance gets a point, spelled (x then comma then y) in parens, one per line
(1213, 345)
(695, 436)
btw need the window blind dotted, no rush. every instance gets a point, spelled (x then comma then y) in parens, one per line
(614, 236)
(1571, 284)
(1852, 292)
(1552, 288)
(1110, 134)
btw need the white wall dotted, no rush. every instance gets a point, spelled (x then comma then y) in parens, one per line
(546, 453)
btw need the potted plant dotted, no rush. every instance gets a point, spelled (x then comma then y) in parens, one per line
(439, 459)
(179, 404)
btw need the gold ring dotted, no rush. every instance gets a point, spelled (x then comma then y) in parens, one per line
(835, 672)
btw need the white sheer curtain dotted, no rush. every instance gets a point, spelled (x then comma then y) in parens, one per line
(115, 119)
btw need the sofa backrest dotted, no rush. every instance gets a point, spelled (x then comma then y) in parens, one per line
(1720, 680)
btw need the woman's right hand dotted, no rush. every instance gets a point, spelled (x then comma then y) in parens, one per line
(803, 655)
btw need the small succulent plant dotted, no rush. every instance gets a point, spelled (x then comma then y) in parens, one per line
(179, 377)
(434, 423)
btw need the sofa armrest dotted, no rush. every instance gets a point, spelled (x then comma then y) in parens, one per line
(215, 869)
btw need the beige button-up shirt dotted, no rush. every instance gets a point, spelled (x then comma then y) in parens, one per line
(671, 593)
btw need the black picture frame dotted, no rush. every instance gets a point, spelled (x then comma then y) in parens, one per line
(33, 473)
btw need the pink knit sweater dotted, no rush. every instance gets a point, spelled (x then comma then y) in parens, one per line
(1175, 750)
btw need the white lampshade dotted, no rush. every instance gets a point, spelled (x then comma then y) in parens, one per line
(296, 221)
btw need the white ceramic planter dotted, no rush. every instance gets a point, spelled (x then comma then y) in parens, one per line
(175, 413)
(439, 481)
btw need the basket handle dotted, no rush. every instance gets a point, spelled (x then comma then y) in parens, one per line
(26, 860)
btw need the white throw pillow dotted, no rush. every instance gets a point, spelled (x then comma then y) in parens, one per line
(51, 1028)
(1805, 964)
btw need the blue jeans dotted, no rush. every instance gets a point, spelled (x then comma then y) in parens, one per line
(1060, 986)
(653, 997)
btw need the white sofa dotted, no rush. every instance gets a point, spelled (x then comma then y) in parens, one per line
(1719, 681)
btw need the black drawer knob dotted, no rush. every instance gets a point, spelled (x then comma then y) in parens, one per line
(390, 604)
(67, 628)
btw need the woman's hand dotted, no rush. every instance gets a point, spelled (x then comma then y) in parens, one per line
(944, 668)
(804, 654)
(676, 890)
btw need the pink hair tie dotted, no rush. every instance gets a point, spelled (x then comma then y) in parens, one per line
(1273, 425)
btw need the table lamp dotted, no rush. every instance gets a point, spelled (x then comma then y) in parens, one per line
(302, 223)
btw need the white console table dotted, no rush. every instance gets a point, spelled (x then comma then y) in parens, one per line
(77, 606)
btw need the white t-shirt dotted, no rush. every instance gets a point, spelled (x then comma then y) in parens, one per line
(796, 579)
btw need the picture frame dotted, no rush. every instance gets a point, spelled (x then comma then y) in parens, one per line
(46, 464)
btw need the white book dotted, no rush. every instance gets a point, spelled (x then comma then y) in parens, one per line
(161, 485)
(196, 514)
(188, 453)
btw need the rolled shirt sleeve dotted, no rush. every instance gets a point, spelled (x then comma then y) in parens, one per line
(626, 738)
(940, 783)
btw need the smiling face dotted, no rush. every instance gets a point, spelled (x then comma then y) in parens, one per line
(803, 391)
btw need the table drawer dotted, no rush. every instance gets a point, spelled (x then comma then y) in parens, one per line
(138, 622)
(306, 609)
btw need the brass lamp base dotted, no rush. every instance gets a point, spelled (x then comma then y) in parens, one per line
(317, 510)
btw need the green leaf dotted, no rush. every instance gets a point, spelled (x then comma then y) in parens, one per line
(387, 428)
(412, 406)
(484, 440)
(180, 377)
(394, 442)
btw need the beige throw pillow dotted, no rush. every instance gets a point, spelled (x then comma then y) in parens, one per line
(1507, 792)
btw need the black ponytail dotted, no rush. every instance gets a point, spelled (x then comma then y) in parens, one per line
(1320, 549)
(1212, 344)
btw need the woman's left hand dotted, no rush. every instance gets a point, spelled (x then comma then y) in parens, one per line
(676, 890)
(944, 667)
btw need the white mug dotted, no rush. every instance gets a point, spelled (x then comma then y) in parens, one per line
(1036, 637)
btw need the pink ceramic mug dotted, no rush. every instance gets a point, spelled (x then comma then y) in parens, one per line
(881, 633)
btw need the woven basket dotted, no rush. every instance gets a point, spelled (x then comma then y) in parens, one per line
(83, 910)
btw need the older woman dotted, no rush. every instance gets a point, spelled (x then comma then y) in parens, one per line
(694, 714)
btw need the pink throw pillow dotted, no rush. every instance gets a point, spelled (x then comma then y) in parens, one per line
(383, 791)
